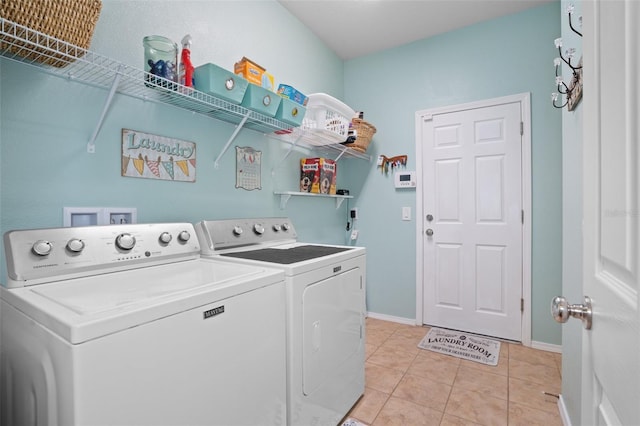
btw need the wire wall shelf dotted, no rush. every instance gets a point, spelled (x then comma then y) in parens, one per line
(56, 57)
(59, 58)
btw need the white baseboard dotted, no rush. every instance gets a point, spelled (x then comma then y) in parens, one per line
(401, 320)
(546, 347)
(564, 414)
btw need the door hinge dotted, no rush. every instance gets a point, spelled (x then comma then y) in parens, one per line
(521, 305)
(521, 128)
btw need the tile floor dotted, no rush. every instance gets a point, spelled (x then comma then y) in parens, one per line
(406, 385)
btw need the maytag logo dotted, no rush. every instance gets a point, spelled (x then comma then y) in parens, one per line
(337, 269)
(213, 312)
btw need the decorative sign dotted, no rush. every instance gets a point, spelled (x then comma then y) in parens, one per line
(157, 157)
(462, 345)
(248, 164)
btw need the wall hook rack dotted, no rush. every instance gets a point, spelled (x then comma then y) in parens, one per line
(572, 91)
(385, 162)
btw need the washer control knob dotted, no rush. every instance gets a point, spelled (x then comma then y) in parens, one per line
(277, 227)
(42, 247)
(75, 245)
(258, 228)
(237, 230)
(125, 241)
(165, 238)
(286, 226)
(184, 236)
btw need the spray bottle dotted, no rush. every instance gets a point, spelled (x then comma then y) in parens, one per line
(186, 67)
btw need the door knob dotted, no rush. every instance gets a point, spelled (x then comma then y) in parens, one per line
(561, 310)
(429, 232)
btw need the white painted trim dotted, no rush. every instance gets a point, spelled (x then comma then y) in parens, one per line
(420, 117)
(525, 106)
(400, 320)
(546, 347)
(527, 177)
(564, 414)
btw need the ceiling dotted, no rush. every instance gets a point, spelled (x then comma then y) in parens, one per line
(353, 28)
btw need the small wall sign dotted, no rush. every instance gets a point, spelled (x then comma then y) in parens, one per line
(248, 168)
(157, 157)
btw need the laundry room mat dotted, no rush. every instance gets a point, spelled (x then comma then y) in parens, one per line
(462, 345)
(352, 422)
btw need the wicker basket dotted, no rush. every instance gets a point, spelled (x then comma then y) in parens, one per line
(72, 21)
(365, 132)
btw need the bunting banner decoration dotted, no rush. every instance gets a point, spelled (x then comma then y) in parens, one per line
(149, 156)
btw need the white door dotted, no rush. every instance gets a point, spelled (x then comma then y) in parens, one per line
(611, 349)
(472, 220)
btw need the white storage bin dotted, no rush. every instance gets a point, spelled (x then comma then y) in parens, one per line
(327, 120)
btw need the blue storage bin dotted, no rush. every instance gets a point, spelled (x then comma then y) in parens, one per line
(290, 112)
(261, 100)
(218, 82)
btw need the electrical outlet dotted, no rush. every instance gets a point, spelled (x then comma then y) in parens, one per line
(353, 214)
(354, 234)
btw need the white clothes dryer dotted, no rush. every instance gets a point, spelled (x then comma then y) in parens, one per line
(128, 325)
(325, 294)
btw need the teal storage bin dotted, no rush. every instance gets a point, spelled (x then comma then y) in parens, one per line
(218, 82)
(261, 100)
(290, 112)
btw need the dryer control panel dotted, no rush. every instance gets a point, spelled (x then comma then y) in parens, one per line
(215, 235)
(37, 256)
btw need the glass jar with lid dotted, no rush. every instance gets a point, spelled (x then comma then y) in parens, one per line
(160, 60)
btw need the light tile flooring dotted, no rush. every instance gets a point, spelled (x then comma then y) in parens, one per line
(406, 385)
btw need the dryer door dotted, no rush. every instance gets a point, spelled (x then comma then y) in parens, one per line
(333, 337)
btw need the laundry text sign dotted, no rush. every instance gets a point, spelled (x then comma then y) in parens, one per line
(157, 157)
(462, 345)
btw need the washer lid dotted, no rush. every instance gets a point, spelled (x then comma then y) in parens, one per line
(86, 308)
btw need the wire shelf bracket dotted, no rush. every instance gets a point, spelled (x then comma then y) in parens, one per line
(216, 164)
(91, 146)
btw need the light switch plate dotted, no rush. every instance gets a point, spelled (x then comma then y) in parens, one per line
(406, 213)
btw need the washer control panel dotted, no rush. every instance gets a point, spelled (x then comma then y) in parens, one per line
(43, 255)
(215, 235)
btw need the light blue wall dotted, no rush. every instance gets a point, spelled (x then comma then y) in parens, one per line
(47, 121)
(505, 56)
(572, 229)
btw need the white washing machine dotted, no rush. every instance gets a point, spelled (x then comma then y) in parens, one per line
(128, 325)
(325, 290)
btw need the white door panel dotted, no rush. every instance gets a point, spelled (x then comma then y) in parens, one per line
(472, 183)
(611, 349)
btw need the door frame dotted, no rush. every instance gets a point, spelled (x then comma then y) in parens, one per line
(525, 107)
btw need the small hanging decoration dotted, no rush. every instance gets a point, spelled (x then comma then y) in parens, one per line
(248, 168)
(385, 162)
